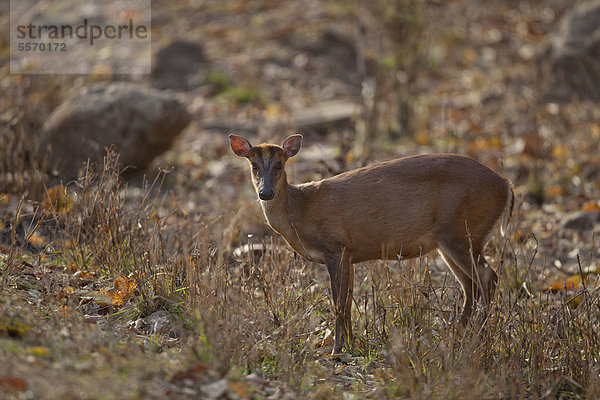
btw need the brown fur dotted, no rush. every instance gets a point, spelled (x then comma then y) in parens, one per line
(404, 207)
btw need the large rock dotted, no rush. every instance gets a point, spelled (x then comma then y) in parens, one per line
(574, 63)
(141, 122)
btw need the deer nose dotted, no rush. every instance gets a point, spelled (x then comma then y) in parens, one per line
(266, 195)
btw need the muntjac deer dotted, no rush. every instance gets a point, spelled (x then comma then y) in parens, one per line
(399, 208)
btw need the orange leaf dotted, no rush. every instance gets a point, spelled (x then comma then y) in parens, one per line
(12, 383)
(84, 275)
(37, 240)
(66, 292)
(63, 309)
(423, 138)
(125, 285)
(591, 206)
(71, 268)
(123, 288)
(240, 389)
(574, 282)
(557, 190)
(194, 372)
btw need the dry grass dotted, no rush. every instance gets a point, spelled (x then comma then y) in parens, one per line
(274, 316)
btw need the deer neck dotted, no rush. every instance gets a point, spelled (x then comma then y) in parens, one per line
(284, 215)
(280, 212)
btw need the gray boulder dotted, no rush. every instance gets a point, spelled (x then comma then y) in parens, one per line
(140, 122)
(180, 66)
(574, 55)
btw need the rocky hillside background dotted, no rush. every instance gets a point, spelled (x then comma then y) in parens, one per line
(142, 282)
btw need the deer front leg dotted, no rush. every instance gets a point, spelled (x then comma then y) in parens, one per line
(341, 273)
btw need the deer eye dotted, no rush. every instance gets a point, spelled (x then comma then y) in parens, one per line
(278, 166)
(254, 166)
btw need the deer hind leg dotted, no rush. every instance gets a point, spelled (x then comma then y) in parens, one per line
(488, 280)
(341, 274)
(348, 303)
(477, 279)
(466, 284)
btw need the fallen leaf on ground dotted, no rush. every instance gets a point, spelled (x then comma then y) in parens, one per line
(194, 372)
(591, 206)
(12, 383)
(66, 292)
(38, 351)
(57, 200)
(123, 287)
(574, 282)
(240, 389)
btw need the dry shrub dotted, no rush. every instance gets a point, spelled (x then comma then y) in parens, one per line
(271, 315)
(521, 347)
(21, 165)
(395, 28)
(258, 315)
(245, 316)
(120, 231)
(27, 102)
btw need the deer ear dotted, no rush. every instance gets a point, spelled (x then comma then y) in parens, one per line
(240, 146)
(292, 145)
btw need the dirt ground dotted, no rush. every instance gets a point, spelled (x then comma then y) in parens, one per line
(85, 267)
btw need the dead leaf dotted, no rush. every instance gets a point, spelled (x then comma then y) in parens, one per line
(557, 191)
(64, 309)
(591, 206)
(240, 389)
(83, 275)
(468, 56)
(12, 384)
(560, 152)
(38, 351)
(574, 282)
(125, 285)
(122, 289)
(71, 268)
(422, 138)
(57, 200)
(194, 372)
(66, 292)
